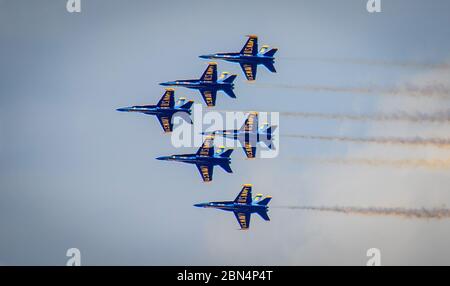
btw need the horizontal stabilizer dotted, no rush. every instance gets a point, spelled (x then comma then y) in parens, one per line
(230, 79)
(187, 105)
(270, 53)
(270, 67)
(265, 201)
(229, 92)
(264, 215)
(271, 129)
(227, 153)
(226, 166)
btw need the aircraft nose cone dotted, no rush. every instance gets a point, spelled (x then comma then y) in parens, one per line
(161, 158)
(165, 83)
(123, 109)
(206, 57)
(199, 205)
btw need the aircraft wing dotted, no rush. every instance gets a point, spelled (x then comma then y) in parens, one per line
(207, 148)
(209, 96)
(249, 71)
(243, 219)
(167, 100)
(250, 151)
(166, 122)
(251, 46)
(251, 123)
(206, 171)
(245, 195)
(210, 74)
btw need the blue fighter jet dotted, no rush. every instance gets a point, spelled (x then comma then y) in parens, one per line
(165, 109)
(249, 58)
(249, 134)
(208, 84)
(205, 159)
(243, 206)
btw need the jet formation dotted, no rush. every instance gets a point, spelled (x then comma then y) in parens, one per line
(209, 84)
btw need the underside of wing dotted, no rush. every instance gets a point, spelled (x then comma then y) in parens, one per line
(245, 195)
(251, 46)
(207, 148)
(250, 151)
(249, 71)
(251, 123)
(206, 171)
(209, 96)
(168, 99)
(243, 219)
(166, 123)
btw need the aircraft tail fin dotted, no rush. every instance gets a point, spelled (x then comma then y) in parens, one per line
(265, 201)
(264, 215)
(187, 105)
(270, 53)
(270, 66)
(226, 166)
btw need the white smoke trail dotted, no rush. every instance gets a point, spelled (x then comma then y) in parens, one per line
(435, 90)
(437, 117)
(415, 141)
(421, 213)
(374, 62)
(415, 117)
(435, 164)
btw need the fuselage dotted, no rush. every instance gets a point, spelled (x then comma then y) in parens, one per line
(154, 110)
(232, 206)
(199, 84)
(242, 135)
(196, 159)
(240, 58)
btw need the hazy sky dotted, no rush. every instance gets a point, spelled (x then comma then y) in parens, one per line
(76, 173)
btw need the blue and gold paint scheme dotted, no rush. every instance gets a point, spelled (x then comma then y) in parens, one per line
(165, 109)
(249, 57)
(205, 159)
(249, 135)
(208, 84)
(243, 206)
